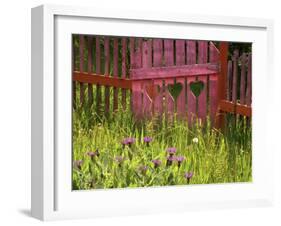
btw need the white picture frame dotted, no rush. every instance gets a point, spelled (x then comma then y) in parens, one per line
(52, 197)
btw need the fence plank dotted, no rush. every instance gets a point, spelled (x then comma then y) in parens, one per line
(242, 78)
(115, 72)
(235, 74)
(135, 58)
(202, 98)
(249, 82)
(169, 61)
(146, 63)
(191, 99)
(169, 100)
(222, 80)
(191, 102)
(202, 52)
(229, 80)
(98, 64)
(81, 50)
(180, 60)
(213, 53)
(158, 100)
(124, 71)
(213, 97)
(73, 69)
(190, 52)
(106, 73)
(90, 68)
(169, 52)
(157, 52)
(157, 62)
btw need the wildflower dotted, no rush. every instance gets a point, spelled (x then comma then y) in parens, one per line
(171, 151)
(147, 140)
(78, 164)
(128, 141)
(92, 154)
(188, 176)
(180, 159)
(195, 140)
(119, 160)
(156, 163)
(170, 160)
(143, 169)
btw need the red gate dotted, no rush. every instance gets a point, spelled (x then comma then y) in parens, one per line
(174, 77)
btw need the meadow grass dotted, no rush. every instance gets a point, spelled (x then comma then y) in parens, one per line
(209, 156)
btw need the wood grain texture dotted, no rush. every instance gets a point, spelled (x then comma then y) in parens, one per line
(222, 79)
(175, 71)
(191, 102)
(98, 66)
(84, 77)
(235, 74)
(180, 60)
(157, 52)
(90, 69)
(73, 69)
(106, 72)
(158, 100)
(115, 72)
(249, 82)
(168, 52)
(124, 69)
(135, 58)
(243, 79)
(230, 107)
(191, 52)
(81, 60)
(213, 97)
(146, 63)
(229, 81)
(202, 98)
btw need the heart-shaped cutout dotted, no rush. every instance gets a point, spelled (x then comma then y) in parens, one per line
(175, 90)
(152, 90)
(196, 88)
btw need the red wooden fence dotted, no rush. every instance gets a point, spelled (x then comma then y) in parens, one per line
(160, 76)
(166, 73)
(238, 86)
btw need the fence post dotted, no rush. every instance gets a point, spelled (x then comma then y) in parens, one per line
(222, 79)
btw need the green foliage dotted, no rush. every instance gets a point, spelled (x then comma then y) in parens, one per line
(215, 158)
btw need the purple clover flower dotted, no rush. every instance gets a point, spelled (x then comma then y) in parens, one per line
(93, 154)
(171, 151)
(156, 163)
(128, 141)
(188, 176)
(170, 160)
(78, 164)
(180, 159)
(147, 140)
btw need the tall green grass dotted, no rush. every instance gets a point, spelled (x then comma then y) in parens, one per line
(216, 158)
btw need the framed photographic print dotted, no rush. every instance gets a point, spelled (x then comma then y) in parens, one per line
(144, 113)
